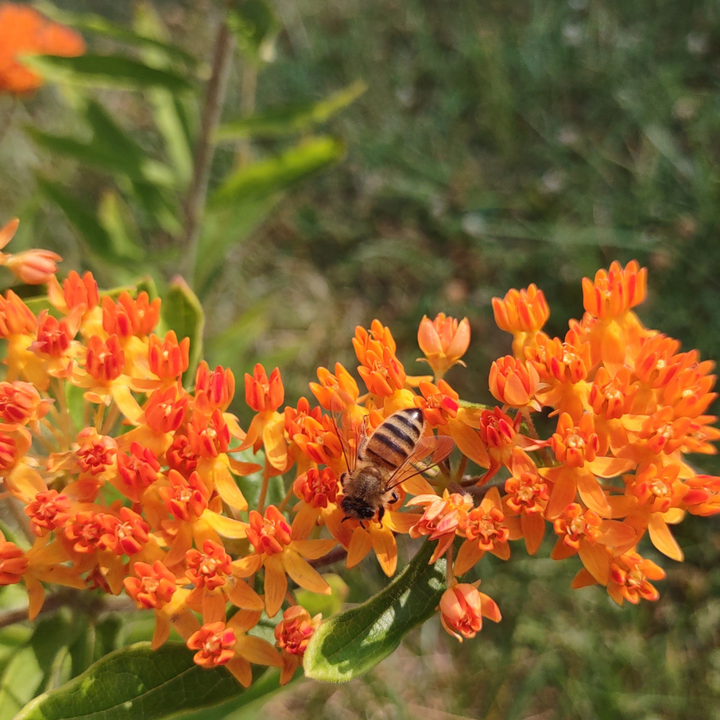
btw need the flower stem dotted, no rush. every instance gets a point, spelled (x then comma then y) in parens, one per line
(264, 487)
(286, 499)
(449, 575)
(205, 149)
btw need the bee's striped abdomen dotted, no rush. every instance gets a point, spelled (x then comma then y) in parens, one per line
(395, 439)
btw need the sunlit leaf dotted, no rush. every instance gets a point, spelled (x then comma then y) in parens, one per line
(106, 71)
(295, 118)
(353, 642)
(138, 682)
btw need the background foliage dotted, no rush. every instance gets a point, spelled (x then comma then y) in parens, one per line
(496, 145)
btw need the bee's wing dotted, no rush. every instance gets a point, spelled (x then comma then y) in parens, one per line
(429, 452)
(350, 431)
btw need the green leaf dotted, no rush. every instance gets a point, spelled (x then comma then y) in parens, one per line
(279, 173)
(89, 22)
(353, 642)
(138, 682)
(255, 27)
(118, 222)
(295, 118)
(105, 71)
(21, 680)
(183, 313)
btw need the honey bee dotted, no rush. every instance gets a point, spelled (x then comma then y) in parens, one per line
(395, 452)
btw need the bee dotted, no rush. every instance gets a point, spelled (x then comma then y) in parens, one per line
(395, 452)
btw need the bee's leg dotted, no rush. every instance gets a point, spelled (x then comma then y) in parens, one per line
(362, 525)
(394, 496)
(381, 513)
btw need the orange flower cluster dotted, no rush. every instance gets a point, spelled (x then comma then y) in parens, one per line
(24, 31)
(127, 478)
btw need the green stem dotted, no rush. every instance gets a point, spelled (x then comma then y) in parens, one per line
(264, 487)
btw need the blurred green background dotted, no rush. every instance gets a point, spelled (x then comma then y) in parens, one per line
(497, 144)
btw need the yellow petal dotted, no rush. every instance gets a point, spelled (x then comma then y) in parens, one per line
(274, 442)
(225, 526)
(662, 538)
(304, 574)
(275, 584)
(25, 483)
(417, 485)
(127, 403)
(227, 488)
(674, 516)
(180, 545)
(615, 533)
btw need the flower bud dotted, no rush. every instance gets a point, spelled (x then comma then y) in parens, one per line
(13, 563)
(514, 383)
(263, 394)
(34, 267)
(443, 341)
(462, 608)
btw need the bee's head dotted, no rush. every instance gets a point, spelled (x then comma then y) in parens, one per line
(356, 509)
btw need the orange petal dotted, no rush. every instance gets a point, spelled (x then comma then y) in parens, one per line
(620, 505)
(25, 483)
(400, 522)
(314, 549)
(469, 443)
(247, 566)
(563, 493)
(468, 555)
(501, 550)
(533, 527)
(275, 584)
(213, 607)
(596, 560)
(180, 545)
(304, 574)
(385, 547)
(592, 494)
(36, 594)
(258, 651)
(162, 630)
(304, 521)
(241, 670)
(290, 665)
(583, 579)
(360, 546)
(674, 516)
(562, 550)
(662, 538)
(244, 620)
(242, 595)
(609, 467)
(615, 533)
(513, 525)
(417, 485)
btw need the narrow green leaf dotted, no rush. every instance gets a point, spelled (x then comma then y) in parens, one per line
(292, 119)
(21, 680)
(353, 642)
(279, 173)
(118, 222)
(105, 71)
(89, 22)
(183, 313)
(139, 682)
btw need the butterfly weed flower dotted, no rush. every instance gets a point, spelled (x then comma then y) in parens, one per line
(131, 486)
